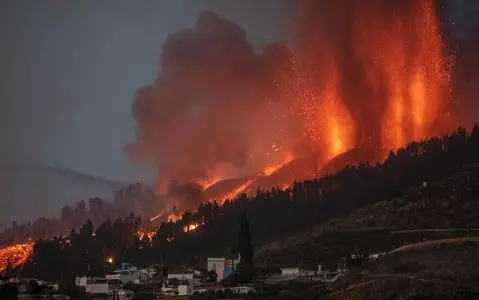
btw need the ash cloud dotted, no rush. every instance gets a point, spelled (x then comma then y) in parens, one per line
(218, 105)
(212, 103)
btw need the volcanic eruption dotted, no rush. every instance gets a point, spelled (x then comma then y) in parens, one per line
(364, 77)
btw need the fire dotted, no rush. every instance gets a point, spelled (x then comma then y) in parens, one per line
(233, 194)
(17, 254)
(148, 234)
(405, 57)
(174, 218)
(209, 182)
(192, 226)
(273, 168)
(369, 75)
(157, 216)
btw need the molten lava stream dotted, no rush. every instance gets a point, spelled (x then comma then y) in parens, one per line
(17, 254)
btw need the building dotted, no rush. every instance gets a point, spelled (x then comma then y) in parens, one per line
(94, 285)
(125, 276)
(185, 290)
(185, 274)
(128, 273)
(290, 271)
(222, 266)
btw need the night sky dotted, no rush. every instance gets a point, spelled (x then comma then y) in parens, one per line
(70, 69)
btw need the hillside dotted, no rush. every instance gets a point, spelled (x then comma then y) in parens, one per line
(30, 191)
(442, 269)
(447, 204)
(450, 203)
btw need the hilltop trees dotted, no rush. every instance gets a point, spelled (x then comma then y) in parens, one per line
(271, 214)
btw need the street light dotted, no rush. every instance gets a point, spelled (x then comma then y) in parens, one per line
(109, 260)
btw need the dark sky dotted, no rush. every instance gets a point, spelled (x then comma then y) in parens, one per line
(69, 71)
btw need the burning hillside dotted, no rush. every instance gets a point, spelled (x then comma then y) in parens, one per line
(221, 119)
(16, 254)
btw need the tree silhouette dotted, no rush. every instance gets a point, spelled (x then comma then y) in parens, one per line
(246, 265)
(9, 272)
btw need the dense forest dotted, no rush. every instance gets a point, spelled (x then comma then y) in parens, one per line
(271, 214)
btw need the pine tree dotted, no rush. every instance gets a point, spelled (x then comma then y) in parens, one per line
(245, 270)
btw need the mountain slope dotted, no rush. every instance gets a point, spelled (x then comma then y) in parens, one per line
(447, 204)
(29, 191)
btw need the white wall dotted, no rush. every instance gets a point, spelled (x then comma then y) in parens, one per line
(97, 288)
(289, 271)
(218, 265)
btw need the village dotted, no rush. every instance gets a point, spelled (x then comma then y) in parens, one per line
(155, 282)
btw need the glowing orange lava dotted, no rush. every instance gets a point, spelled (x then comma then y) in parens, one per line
(192, 226)
(209, 182)
(148, 234)
(405, 57)
(233, 194)
(17, 254)
(174, 218)
(273, 168)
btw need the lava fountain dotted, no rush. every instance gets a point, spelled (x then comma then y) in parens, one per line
(370, 75)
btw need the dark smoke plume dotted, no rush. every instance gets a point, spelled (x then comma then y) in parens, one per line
(212, 104)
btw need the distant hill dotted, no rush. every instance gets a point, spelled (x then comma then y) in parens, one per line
(28, 191)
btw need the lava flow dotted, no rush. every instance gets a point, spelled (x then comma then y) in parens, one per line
(16, 254)
(365, 78)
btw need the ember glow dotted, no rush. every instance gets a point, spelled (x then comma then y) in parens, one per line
(232, 194)
(370, 75)
(17, 254)
(148, 234)
(270, 169)
(192, 226)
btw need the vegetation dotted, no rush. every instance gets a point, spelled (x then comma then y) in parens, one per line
(271, 214)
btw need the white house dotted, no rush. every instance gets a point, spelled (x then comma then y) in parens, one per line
(222, 266)
(93, 285)
(290, 271)
(125, 276)
(185, 290)
(217, 264)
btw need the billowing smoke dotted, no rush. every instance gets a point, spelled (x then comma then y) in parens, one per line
(369, 74)
(211, 109)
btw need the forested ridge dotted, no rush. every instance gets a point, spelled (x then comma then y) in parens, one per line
(271, 214)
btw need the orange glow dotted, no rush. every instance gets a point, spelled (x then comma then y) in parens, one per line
(174, 218)
(365, 75)
(192, 226)
(209, 182)
(273, 168)
(17, 254)
(148, 234)
(406, 58)
(233, 194)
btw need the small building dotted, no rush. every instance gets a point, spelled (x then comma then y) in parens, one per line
(222, 266)
(290, 271)
(128, 273)
(125, 276)
(185, 289)
(93, 285)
